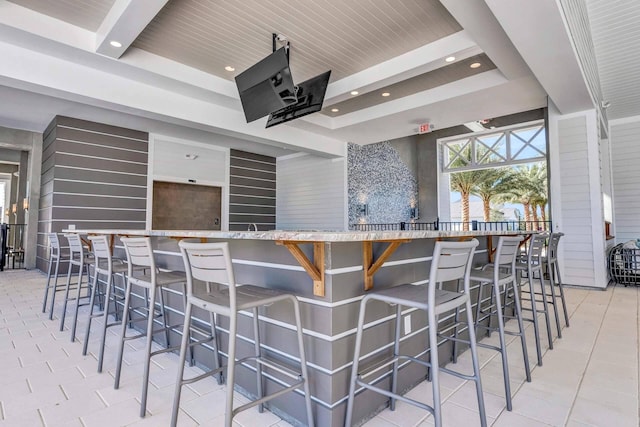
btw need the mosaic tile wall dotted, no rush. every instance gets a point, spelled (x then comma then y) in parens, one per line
(379, 178)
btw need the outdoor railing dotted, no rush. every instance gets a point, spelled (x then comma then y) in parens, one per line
(12, 246)
(438, 225)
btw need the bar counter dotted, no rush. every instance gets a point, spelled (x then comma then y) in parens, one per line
(329, 272)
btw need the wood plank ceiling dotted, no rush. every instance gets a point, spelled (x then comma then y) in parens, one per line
(615, 29)
(345, 37)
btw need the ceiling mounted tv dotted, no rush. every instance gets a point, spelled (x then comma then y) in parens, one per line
(310, 96)
(266, 86)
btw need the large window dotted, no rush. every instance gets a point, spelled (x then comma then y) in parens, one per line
(515, 145)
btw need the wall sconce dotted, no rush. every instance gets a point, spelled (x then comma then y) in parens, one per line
(14, 208)
(414, 213)
(362, 209)
(25, 204)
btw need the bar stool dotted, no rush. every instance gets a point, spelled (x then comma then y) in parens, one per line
(555, 280)
(54, 258)
(502, 275)
(140, 257)
(532, 266)
(105, 266)
(451, 261)
(77, 258)
(211, 263)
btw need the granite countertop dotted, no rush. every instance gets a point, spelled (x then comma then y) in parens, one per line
(302, 235)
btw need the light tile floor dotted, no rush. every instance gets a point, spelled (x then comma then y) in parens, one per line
(590, 378)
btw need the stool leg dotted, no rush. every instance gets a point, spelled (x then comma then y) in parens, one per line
(256, 344)
(163, 310)
(55, 289)
(545, 307)
(216, 353)
(66, 296)
(396, 352)
(561, 288)
(534, 310)
(192, 360)
(303, 362)
(75, 312)
(105, 318)
(435, 367)
(523, 338)
(356, 359)
(503, 345)
(231, 368)
(476, 367)
(90, 317)
(183, 356)
(46, 288)
(552, 301)
(456, 320)
(147, 360)
(123, 334)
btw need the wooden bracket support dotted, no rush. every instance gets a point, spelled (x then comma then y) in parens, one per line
(314, 269)
(369, 266)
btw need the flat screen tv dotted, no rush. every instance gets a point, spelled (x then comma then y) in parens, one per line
(266, 86)
(310, 96)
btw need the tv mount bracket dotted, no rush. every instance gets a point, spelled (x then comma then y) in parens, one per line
(275, 38)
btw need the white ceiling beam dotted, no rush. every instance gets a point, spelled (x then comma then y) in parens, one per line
(538, 30)
(124, 23)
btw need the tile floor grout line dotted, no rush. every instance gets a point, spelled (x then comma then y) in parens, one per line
(575, 397)
(44, 423)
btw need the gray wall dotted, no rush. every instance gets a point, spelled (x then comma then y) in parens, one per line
(252, 191)
(93, 176)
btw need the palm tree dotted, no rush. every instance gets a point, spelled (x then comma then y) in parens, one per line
(529, 188)
(490, 183)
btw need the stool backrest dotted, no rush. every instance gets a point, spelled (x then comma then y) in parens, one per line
(76, 251)
(101, 250)
(54, 244)
(209, 263)
(506, 251)
(552, 249)
(536, 246)
(451, 261)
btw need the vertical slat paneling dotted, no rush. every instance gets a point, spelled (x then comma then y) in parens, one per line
(252, 191)
(576, 202)
(311, 193)
(626, 178)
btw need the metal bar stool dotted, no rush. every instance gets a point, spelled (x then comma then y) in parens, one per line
(77, 258)
(451, 261)
(105, 266)
(211, 263)
(140, 257)
(555, 279)
(54, 259)
(532, 266)
(501, 274)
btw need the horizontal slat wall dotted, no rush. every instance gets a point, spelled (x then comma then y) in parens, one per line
(576, 202)
(93, 176)
(311, 193)
(625, 158)
(252, 191)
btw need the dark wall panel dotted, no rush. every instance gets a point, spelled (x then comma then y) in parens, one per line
(252, 191)
(93, 176)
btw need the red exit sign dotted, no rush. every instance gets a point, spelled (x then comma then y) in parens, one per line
(424, 128)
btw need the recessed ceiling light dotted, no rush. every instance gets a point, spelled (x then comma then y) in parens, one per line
(229, 68)
(354, 92)
(475, 65)
(450, 59)
(334, 110)
(115, 43)
(385, 94)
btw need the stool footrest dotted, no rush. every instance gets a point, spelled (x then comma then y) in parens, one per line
(202, 376)
(396, 396)
(390, 361)
(267, 398)
(458, 374)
